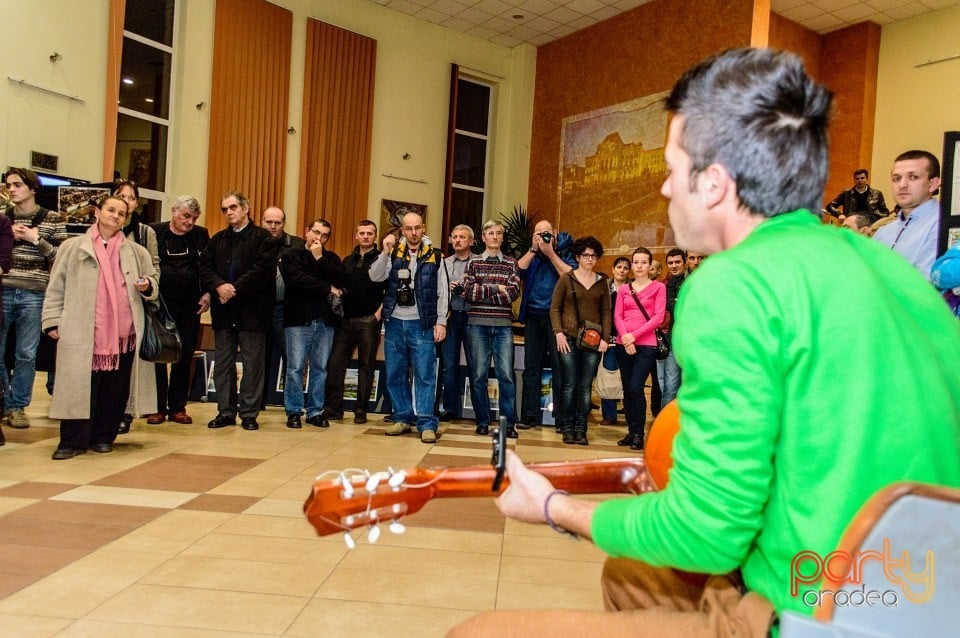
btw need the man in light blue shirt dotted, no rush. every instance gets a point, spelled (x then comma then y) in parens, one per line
(915, 179)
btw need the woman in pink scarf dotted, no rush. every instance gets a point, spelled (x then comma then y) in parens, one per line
(93, 309)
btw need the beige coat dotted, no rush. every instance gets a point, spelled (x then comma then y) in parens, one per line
(69, 306)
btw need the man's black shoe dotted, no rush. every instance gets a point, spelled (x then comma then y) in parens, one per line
(445, 416)
(483, 430)
(359, 419)
(526, 423)
(330, 415)
(318, 421)
(222, 420)
(249, 423)
(293, 421)
(512, 433)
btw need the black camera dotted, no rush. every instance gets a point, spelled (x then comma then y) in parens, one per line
(458, 288)
(547, 237)
(404, 290)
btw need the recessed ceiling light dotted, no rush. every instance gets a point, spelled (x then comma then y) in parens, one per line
(149, 99)
(518, 16)
(128, 80)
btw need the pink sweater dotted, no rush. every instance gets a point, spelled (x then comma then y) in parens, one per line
(628, 318)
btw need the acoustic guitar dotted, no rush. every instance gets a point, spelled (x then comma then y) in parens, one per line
(341, 501)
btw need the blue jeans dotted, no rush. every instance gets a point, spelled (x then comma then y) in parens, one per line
(407, 344)
(634, 370)
(21, 308)
(450, 360)
(608, 407)
(578, 368)
(669, 374)
(313, 343)
(482, 342)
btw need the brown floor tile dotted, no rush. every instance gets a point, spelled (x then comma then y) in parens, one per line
(220, 503)
(30, 435)
(27, 558)
(11, 583)
(45, 512)
(470, 514)
(181, 472)
(36, 489)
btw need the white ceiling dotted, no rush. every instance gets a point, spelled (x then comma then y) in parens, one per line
(536, 22)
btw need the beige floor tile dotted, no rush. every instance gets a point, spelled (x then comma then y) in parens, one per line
(557, 546)
(449, 540)
(103, 629)
(558, 596)
(69, 590)
(289, 551)
(286, 579)
(171, 533)
(398, 588)
(546, 571)
(13, 503)
(16, 626)
(324, 618)
(277, 507)
(201, 609)
(435, 562)
(254, 525)
(125, 496)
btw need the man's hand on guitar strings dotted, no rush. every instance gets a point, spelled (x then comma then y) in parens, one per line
(523, 499)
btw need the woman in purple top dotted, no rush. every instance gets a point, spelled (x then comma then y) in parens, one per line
(636, 341)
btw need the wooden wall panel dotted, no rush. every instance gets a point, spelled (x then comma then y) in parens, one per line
(248, 105)
(637, 53)
(337, 129)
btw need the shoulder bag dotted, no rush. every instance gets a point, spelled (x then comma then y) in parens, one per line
(589, 333)
(663, 341)
(161, 340)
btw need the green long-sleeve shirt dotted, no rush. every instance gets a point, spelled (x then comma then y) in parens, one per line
(818, 367)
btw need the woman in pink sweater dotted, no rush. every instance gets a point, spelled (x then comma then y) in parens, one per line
(636, 341)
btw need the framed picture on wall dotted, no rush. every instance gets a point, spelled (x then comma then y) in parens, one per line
(949, 192)
(392, 212)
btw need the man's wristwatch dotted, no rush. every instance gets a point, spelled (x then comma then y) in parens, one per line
(36, 242)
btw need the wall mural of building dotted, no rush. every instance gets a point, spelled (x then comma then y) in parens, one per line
(611, 170)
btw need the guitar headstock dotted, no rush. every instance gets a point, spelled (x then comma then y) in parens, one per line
(347, 500)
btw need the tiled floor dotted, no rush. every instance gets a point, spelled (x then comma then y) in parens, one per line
(190, 532)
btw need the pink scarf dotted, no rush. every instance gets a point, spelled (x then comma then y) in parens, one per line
(113, 329)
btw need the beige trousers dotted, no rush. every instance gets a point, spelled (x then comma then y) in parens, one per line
(641, 602)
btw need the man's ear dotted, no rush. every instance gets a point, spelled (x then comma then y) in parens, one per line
(934, 184)
(715, 185)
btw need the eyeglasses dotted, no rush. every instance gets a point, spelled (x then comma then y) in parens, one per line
(412, 229)
(588, 255)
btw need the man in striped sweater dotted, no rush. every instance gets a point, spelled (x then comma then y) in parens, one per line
(490, 285)
(37, 233)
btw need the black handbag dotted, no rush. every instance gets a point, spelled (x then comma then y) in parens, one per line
(161, 340)
(663, 341)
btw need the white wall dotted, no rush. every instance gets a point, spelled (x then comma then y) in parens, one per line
(915, 106)
(410, 100)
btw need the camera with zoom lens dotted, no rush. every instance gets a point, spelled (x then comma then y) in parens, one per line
(547, 237)
(405, 290)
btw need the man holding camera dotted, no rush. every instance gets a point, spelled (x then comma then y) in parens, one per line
(415, 312)
(540, 268)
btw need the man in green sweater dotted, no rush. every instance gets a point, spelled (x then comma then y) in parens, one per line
(773, 457)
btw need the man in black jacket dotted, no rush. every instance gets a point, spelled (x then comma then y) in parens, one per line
(310, 275)
(180, 242)
(360, 327)
(237, 269)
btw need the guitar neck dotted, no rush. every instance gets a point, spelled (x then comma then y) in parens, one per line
(606, 476)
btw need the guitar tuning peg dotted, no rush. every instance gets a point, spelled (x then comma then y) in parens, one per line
(347, 486)
(397, 479)
(396, 527)
(374, 481)
(349, 540)
(374, 534)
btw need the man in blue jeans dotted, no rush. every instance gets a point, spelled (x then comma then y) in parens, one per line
(415, 312)
(451, 389)
(37, 233)
(310, 276)
(491, 284)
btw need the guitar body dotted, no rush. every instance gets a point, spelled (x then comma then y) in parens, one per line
(342, 501)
